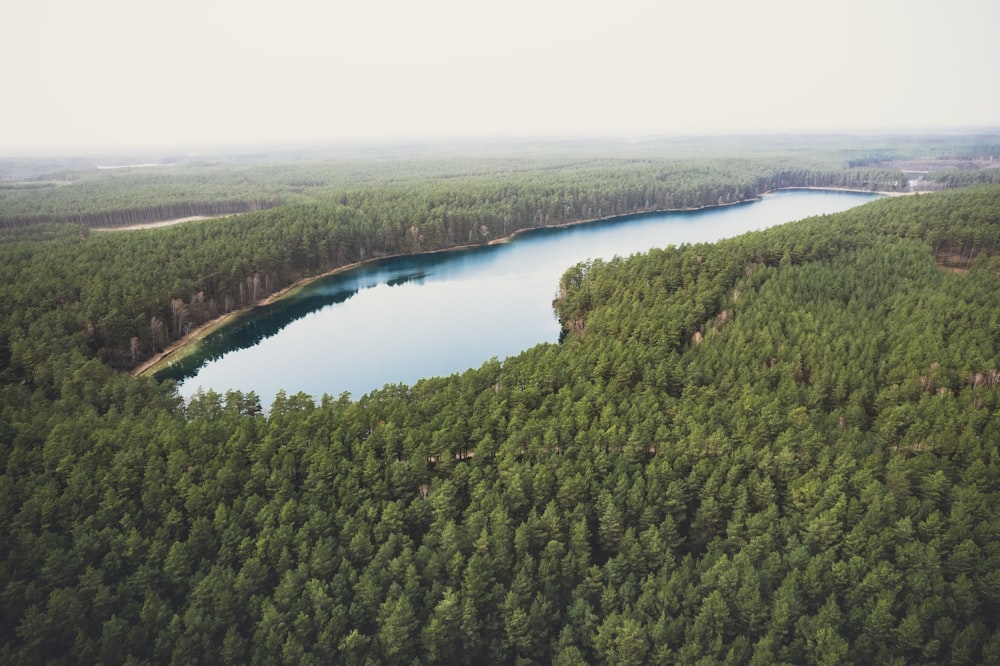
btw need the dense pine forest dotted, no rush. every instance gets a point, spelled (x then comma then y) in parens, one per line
(778, 448)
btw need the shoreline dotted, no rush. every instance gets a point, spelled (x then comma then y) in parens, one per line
(152, 365)
(162, 359)
(846, 189)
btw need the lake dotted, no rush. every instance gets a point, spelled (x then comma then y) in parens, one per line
(398, 320)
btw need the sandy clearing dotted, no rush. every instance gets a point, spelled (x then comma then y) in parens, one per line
(162, 223)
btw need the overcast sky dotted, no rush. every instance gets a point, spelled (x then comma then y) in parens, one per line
(120, 72)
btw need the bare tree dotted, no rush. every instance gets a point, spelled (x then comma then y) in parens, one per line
(180, 312)
(156, 332)
(197, 307)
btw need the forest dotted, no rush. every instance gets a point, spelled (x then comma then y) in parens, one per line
(778, 448)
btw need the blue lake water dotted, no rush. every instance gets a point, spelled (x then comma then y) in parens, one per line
(398, 320)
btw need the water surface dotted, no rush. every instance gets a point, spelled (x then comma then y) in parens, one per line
(398, 320)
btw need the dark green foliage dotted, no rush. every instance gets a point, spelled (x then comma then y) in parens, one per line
(781, 448)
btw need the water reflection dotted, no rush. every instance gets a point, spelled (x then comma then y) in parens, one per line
(250, 328)
(403, 279)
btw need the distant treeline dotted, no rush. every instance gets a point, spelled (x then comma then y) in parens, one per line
(964, 178)
(160, 213)
(634, 184)
(130, 295)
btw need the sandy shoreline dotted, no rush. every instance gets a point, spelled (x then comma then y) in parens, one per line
(159, 361)
(162, 223)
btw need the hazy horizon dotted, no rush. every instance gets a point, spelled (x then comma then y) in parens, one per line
(115, 75)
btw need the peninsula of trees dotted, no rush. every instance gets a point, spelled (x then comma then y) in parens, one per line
(778, 448)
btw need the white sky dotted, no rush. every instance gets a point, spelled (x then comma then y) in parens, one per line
(97, 73)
